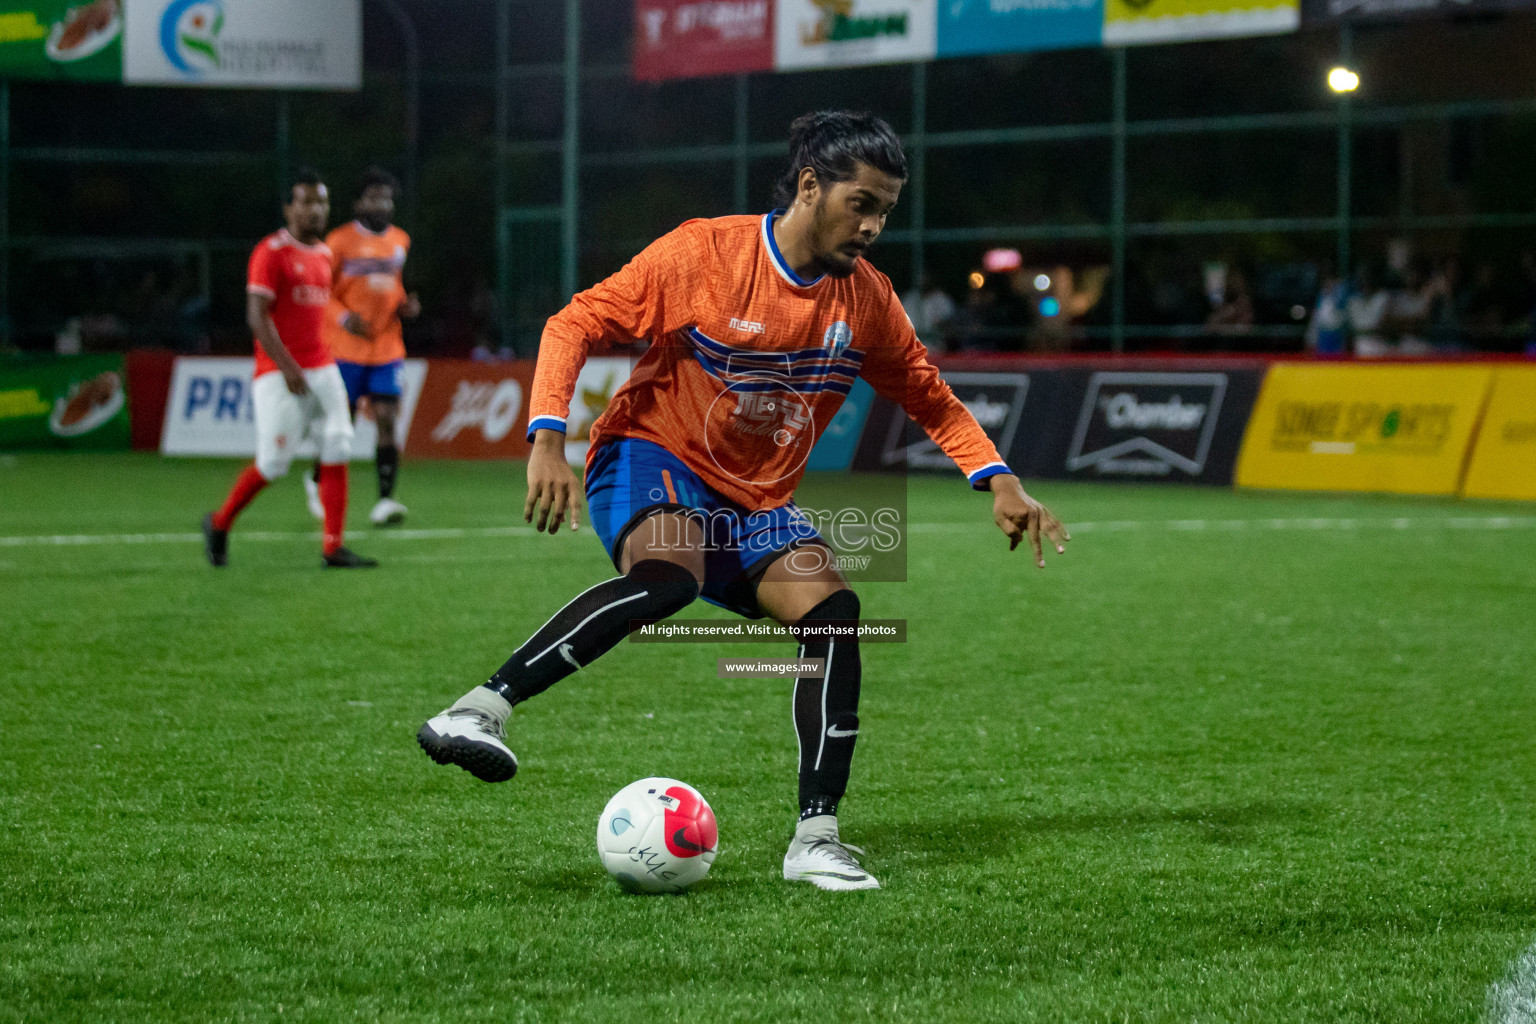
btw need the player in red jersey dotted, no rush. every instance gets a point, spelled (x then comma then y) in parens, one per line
(759, 326)
(297, 391)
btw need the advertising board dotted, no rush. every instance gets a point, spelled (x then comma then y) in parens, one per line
(209, 410)
(69, 402)
(1504, 456)
(1352, 427)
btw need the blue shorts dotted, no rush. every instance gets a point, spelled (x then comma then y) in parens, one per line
(364, 379)
(629, 480)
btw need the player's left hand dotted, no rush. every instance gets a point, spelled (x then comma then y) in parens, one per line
(1019, 516)
(553, 490)
(355, 324)
(410, 309)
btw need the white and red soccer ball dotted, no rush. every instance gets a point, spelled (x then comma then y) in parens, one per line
(657, 835)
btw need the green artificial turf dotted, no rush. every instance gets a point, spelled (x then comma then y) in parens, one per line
(1218, 763)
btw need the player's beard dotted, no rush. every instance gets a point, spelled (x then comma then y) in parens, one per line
(831, 261)
(375, 222)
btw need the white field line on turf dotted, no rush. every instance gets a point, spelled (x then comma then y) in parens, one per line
(180, 564)
(72, 540)
(1513, 999)
(1196, 525)
(1107, 526)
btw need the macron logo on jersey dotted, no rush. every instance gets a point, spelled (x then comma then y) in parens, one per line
(750, 326)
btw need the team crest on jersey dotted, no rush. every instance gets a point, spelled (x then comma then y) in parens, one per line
(838, 338)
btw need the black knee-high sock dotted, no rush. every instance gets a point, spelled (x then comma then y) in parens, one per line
(827, 707)
(592, 624)
(386, 459)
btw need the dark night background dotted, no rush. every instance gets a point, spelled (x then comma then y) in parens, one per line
(1477, 158)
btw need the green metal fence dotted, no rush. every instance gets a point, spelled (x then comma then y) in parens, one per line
(531, 278)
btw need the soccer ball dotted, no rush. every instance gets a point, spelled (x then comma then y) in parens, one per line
(657, 835)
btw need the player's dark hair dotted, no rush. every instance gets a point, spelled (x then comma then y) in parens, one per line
(302, 176)
(833, 143)
(374, 177)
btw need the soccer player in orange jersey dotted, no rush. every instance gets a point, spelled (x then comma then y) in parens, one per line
(297, 391)
(363, 325)
(759, 326)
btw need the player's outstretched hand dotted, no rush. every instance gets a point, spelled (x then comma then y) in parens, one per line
(1019, 516)
(553, 490)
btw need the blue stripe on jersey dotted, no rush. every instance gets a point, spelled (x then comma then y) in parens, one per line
(778, 257)
(985, 472)
(798, 387)
(852, 357)
(545, 423)
(364, 266)
(735, 370)
(835, 375)
(729, 370)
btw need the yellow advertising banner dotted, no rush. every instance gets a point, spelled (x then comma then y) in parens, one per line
(1167, 21)
(1504, 455)
(1348, 427)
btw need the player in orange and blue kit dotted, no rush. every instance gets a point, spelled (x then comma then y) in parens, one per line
(363, 323)
(759, 328)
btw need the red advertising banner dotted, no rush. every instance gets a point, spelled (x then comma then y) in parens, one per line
(472, 410)
(149, 388)
(692, 38)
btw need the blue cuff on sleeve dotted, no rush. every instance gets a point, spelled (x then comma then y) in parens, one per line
(978, 478)
(545, 423)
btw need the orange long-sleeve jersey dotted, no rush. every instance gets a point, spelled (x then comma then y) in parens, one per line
(365, 271)
(748, 362)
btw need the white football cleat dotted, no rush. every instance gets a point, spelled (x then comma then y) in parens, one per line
(817, 856)
(471, 739)
(312, 497)
(387, 512)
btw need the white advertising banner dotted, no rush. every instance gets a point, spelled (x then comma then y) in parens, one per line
(277, 44)
(209, 411)
(838, 33)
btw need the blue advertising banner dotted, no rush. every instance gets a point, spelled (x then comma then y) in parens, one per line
(992, 26)
(834, 451)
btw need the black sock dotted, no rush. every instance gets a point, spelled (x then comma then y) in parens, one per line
(592, 624)
(387, 462)
(827, 706)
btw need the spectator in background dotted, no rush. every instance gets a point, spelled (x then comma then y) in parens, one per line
(970, 326)
(1409, 307)
(930, 309)
(1177, 294)
(993, 318)
(1445, 331)
(1366, 312)
(482, 306)
(1327, 331)
(1479, 311)
(1233, 314)
(1525, 301)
